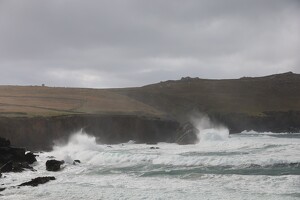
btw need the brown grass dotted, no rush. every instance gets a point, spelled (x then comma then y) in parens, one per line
(34, 100)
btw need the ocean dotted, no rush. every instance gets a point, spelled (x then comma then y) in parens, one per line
(248, 165)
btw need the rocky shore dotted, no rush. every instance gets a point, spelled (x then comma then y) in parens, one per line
(15, 160)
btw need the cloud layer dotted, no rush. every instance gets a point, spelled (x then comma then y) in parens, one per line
(112, 43)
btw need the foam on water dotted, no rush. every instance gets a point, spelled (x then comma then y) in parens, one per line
(209, 131)
(215, 150)
(241, 166)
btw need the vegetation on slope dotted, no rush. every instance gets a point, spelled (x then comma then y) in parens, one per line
(250, 96)
(47, 101)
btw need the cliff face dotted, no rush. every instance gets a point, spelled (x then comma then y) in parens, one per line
(38, 133)
(277, 122)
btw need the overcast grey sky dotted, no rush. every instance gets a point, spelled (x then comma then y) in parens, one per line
(98, 43)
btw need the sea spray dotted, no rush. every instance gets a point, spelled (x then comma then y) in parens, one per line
(208, 130)
(79, 146)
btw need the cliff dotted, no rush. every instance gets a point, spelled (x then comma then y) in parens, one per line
(39, 133)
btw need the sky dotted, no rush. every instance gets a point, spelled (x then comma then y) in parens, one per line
(126, 43)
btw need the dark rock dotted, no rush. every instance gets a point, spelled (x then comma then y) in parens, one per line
(187, 134)
(37, 181)
(1, 189)
(30, 157)
(20, 166)
(53, 165)
(15, 167)
(7, 167)
(4, 142)
(154, 147)
(76, 161)
(11, 154)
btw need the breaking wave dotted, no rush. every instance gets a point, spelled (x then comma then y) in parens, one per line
(209, 131)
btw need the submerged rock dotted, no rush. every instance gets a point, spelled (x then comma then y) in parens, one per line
(53, 165)
(76, 161)
(37, 181)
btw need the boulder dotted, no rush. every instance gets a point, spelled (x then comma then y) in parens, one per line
(30, 158)
(37, 181)
(53, 165)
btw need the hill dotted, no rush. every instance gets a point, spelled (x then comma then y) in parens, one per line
(30, 101)
(240, 104)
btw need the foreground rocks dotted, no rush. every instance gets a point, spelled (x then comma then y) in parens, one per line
(14, 159)
(53, 165)
(30, 158)
(37, 181)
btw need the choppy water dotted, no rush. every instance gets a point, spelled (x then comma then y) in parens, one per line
(244, 166)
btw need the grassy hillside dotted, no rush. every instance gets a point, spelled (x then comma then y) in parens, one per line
(250, 96)
(47, 101)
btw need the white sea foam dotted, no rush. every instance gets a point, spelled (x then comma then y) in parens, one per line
(208, 130)
(122, 171)
(212, 151)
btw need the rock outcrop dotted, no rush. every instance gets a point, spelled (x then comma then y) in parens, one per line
(13, 159)
(37, 181)
(53, 165)
(30, 158)
(187, 134)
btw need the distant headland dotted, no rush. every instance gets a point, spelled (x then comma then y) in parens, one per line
(34, 116)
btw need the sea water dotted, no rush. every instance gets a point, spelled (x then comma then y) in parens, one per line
(248, 165)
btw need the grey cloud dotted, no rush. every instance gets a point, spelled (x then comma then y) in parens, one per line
(132, 42)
